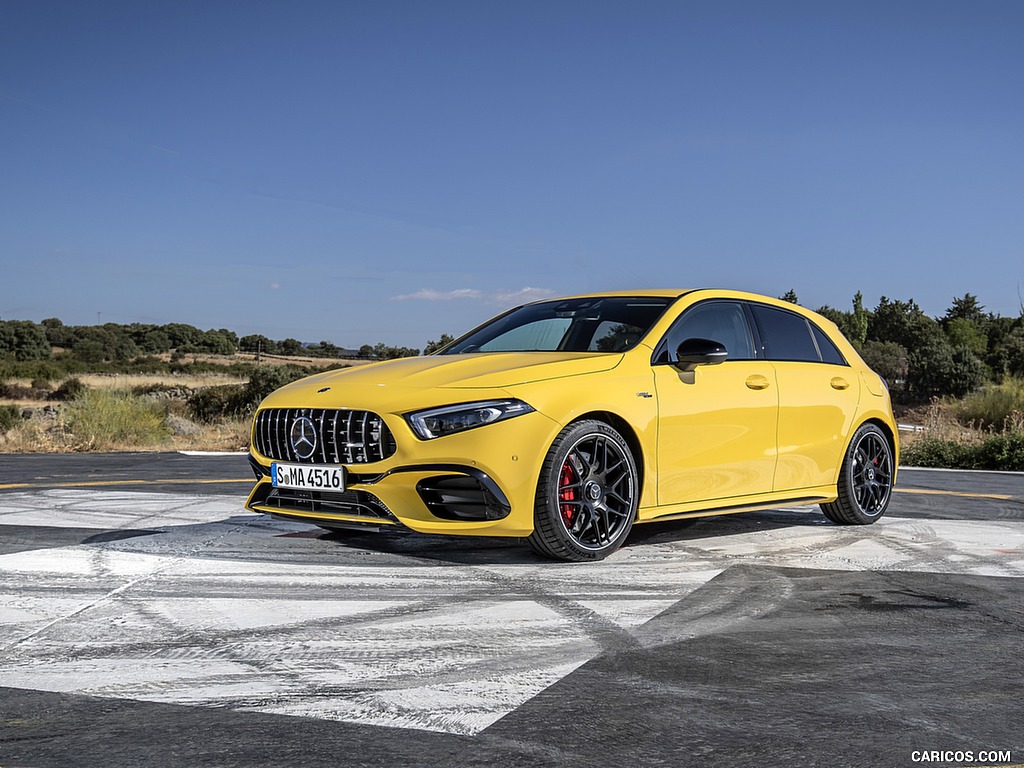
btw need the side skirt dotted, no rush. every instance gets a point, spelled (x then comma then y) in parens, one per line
(659, 514)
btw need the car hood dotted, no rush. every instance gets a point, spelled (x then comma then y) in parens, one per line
(408, 382)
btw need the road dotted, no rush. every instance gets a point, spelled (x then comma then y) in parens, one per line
(146, 618)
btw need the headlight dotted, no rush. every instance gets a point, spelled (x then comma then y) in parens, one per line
(438, 422)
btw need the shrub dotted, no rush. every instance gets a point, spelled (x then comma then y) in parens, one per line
(214, 403)
(233, 400)
(1001, 451)
(939, 369)
(10, 417)
(888, 359)
(69, 389)
(108, 420)
(936, 452)
(18, 392)
(266, 379)
(992, 406)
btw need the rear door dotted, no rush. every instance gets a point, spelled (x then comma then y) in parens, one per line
(818, 395)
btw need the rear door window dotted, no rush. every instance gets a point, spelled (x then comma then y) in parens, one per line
(786, 335)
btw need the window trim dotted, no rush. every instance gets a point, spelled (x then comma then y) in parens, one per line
(661, 348)
(811, 325)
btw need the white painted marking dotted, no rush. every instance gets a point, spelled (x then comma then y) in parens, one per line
(214, 453)
(216, 610)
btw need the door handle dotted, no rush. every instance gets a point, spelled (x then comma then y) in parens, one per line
(838, 382)
(757, 381)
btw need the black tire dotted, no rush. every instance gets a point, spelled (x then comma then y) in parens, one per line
(865, 479)
(587, 495)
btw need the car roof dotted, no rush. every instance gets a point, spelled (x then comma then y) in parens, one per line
(668, 293)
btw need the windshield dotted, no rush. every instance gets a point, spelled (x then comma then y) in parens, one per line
(568, 325)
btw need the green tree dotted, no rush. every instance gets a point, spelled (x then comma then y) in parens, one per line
(1010, 355)
(433, 346)
(154, 342)
(938, 369)
(182, 335)
(23, 340)
(89, 350)
(257, 342)
(859, 321)
(966, 308)
(58, 334)
(843, 320)
(216, 343)
(889, 360)
(962, 332)
(790, 296)
(291, 347)
(324, 349)
(903, 322)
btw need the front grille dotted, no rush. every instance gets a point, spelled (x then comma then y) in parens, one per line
(342, 436)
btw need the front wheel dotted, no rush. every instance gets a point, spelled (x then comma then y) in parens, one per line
(865, 479)
(587, 495)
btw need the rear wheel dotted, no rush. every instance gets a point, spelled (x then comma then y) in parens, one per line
(587, 496)
(865, 479)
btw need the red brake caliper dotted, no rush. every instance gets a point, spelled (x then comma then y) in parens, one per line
(566, 493)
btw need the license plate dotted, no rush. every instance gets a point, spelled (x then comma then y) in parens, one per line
(307, 478)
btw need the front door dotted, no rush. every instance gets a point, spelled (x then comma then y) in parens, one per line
(717, 433)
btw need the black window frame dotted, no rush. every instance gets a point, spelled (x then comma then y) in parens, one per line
(662, 355)
(763, 341)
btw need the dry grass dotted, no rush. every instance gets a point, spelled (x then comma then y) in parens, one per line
(106, 431)
(133, 380)
(248, 357)
(946, 441)
(37, 436)
(117, 420)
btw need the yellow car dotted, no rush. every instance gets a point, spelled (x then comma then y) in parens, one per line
(567, 421)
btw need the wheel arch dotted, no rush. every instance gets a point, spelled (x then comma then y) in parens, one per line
(625, 429)
(890, 436)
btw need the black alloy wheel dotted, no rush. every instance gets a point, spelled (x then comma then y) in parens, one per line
(865, 479)
(587, 496)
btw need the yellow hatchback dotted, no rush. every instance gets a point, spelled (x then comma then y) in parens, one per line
(567, 421)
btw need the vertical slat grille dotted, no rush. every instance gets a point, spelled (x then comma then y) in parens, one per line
(342, 436)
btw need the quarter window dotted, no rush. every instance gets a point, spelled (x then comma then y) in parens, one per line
(829, 352)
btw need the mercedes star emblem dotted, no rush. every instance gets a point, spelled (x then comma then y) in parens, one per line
(303, 436)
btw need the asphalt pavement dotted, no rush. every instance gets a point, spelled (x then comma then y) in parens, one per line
(146, 618)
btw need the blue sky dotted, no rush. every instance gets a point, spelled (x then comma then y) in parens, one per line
(388, 171)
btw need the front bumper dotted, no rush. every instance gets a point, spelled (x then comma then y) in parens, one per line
(480, 482)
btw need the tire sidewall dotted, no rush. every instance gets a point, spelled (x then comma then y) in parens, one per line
(547, 492)
(848, 472)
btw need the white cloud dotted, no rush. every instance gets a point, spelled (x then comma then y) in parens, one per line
(506, 297)
(522, 296)
(429, 294)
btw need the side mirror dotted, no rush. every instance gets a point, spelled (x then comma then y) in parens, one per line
(693, 352)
